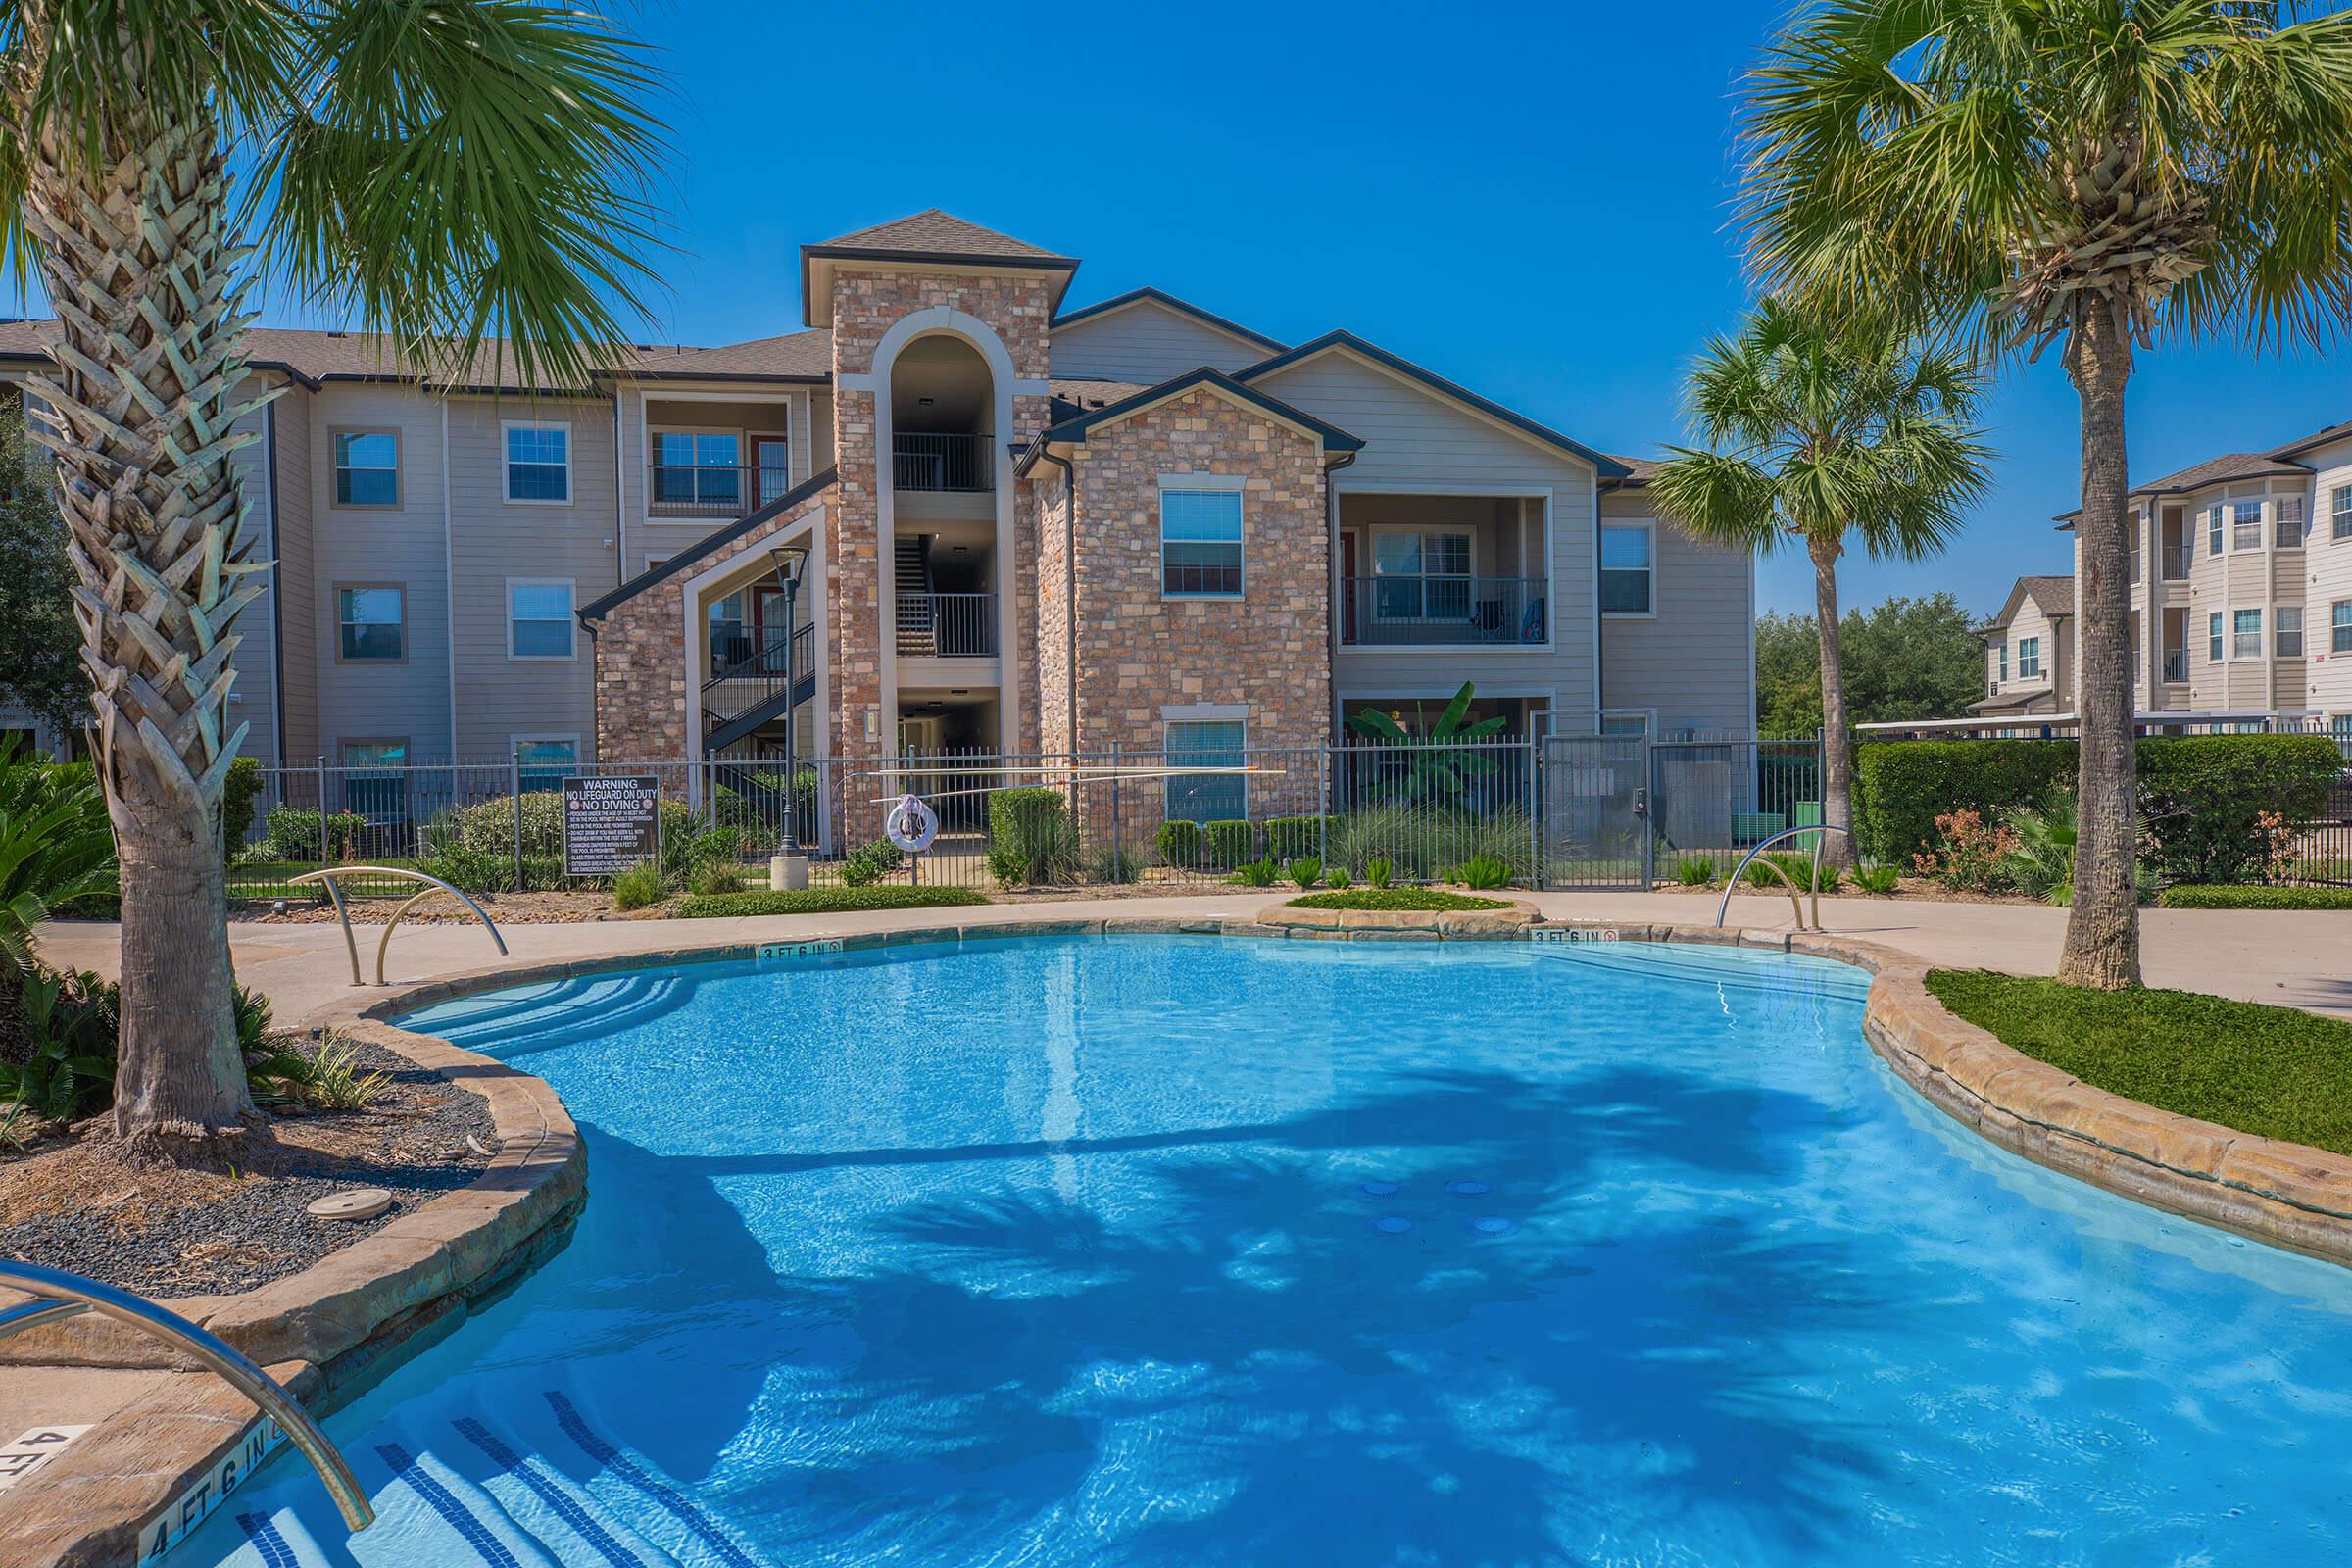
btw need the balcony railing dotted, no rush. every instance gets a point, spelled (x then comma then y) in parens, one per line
(1440, 612)
(930, 460)
(2175, 665)
(749, 670)
(947, 625)
(686, 490)
(2176, 562)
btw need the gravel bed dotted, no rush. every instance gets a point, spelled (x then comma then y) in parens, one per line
(164, 1234)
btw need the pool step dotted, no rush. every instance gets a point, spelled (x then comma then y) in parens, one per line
(544, 1484)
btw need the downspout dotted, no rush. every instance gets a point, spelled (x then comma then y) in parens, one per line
(621, 516)
(1069, 584)
(1331, 550)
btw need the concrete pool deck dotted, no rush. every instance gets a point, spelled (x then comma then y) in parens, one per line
(2296, 959)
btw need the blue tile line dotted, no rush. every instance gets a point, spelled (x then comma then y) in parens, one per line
(276, 1553)
(557, 1500)
(461, 1519)
(653, 1486)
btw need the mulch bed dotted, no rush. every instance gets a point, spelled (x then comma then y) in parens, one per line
(75, 1204)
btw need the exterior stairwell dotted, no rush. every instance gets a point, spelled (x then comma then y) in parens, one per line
(752, 691)
(918, 622)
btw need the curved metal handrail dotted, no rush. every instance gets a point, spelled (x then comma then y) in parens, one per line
(350, 943)
(60, 1295)
(1732, 886)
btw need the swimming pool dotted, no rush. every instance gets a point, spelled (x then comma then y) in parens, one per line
(1199, 1250)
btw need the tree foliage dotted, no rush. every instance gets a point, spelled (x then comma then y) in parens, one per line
(1904, 659)
(40, 646)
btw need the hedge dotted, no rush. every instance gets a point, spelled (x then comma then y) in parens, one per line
(1031, 839)
(825, 900)
(2196, 896)
(1397, 899)
(2201, 796)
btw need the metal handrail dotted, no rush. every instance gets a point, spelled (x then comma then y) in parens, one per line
(343, 911)
(1732, 886)
(60, 1295)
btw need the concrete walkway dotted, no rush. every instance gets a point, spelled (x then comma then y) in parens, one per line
(2291, 959)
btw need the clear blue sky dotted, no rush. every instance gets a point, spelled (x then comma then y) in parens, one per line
(1529, 200)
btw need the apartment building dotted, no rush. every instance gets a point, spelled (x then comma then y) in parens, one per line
(1020, 526)
(2029, 650)
(2241, 582)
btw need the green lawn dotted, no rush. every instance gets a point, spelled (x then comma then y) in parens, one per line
(2273, 1071)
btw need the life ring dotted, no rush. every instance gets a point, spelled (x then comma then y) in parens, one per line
(911, 824)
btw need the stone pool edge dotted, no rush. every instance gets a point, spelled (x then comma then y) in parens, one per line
(328, 1331)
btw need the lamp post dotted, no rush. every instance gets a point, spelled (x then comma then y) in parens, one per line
(788, 869)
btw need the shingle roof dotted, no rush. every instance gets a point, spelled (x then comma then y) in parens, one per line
(2228, 467)
(2342, 430)
(939, 234)
(1637, 471)
(2054, 595)
(1073, 424)
(316, 357)
(1083, 393)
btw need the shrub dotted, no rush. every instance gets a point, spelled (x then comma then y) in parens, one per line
(1179, 843)
(2193, 896)
(1969, 854)
(867, 864)
(1230, 843)
(1031, 839)
(2202, 800)
(1877, 877)
(1904, 786)
(238, 793)
(57, 852)
(2042, 864)
(1296, 838)
(1397, 899)
(1305, 871)
(1763, 872)
(828, 900)
(1115, 864)
(471, 870)
(1799, 866)
(1695, 871)
(1482, 873)
(1338, 879)
(70, 1021)
(715, 878)
(1377, 872)
(293, 832)
(1422, 841)
(1255, 873)
(640, 887)
(336, 1081)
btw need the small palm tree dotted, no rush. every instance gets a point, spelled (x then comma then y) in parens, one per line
(1813, 433)
(2092, 174)
(450, 172)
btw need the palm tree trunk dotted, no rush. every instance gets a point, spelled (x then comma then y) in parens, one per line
(2102, 930)
(139, 263)
(1837, 734)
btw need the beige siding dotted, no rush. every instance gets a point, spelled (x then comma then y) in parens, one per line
(494, 542)
(294, 581)
(1418, 442)
(1692, 662)
(1148, 343)
(2327, 582)
(805, 413)
(401, 545)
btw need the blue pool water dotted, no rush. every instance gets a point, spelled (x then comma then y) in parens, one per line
(1182, 1252)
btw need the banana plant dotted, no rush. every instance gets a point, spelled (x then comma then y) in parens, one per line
(1442, 761)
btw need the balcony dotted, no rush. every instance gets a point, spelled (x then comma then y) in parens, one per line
(1397, 612)
(923, 460)
(2177, 561)
(692, 490)
(947, 625)
(2175, 666)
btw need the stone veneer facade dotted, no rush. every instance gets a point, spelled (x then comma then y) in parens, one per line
(1138, 652)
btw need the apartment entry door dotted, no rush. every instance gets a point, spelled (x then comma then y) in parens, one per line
(771, 467)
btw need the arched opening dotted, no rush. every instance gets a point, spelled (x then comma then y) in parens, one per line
(942, 397)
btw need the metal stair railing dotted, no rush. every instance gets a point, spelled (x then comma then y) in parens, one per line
(59, 1294)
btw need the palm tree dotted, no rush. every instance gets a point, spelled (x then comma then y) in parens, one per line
(1812, 432)
(2081, 173)
(448, 172)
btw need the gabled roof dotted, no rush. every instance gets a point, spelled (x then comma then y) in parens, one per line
(707, 546)
(1348, 342)
(1076, 426)
(2342, 430)
(1161, 297)
(930, 235)
(2228, 468)
(2054, 596)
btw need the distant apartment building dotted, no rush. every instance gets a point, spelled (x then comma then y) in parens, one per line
(1029, 529)
(2029, 650)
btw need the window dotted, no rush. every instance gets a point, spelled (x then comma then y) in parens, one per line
(1200, 543)
(542, 763)
(366, 468)
(2028, 658)
(2289, 619)
(375, 780)
(2213, 637)
(2245, 532)
(2000, 654)
(699, 468)
(2339, 626)
(538, 461)
(1422, 577)
(2291, 522)
(373, 624)
(539, 617)
(1206, 797)
(2340, 523)
(2212, 529)
(2245, 634)
(1626, 570)
(1628, 726)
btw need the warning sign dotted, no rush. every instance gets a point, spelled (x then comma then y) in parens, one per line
(610, 824)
